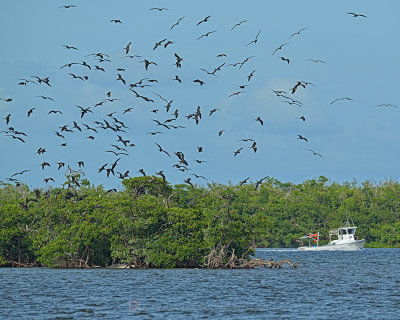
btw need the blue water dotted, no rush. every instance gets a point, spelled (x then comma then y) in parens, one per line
(327, 285)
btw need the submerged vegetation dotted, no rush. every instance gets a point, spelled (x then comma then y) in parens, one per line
(153, 224)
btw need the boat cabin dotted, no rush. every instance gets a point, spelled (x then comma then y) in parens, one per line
(343, 233)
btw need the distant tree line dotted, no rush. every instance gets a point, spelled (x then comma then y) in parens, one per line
(153, 224)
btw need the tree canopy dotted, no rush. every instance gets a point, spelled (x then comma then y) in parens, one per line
(150, 223)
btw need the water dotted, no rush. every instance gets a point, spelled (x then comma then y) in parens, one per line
(360, 285)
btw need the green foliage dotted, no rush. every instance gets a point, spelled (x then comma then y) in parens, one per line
(154, 224)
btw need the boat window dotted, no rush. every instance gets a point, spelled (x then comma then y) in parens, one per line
(350, 231)
(342, 231)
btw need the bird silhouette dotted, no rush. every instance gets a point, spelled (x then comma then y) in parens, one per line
(176, 23)
(260, 120)
(315, 153)
(238, 24)
(162, 150)
(280, 47)
(204, 20)
(242, 182)
(302, 138)
(355, 15)
(341, 99)
(206, 34)
(237, 151)
(298, 32)
(285, 59)
(255, 40)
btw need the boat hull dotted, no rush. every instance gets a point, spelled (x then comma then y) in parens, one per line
(334, 246)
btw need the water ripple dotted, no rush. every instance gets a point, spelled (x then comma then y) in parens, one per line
(363, 283)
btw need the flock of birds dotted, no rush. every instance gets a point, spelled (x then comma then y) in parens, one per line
(114, 123)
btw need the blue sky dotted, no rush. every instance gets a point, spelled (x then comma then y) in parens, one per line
(357, 138)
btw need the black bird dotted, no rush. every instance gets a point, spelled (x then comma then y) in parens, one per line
(161, 174)
(250, 75)
(259, 182)
(59, 135)
(102, 168)
(285, 59)
(199, 81)
(21, 172)
(280, 47)
(302, 118)
(255, 40)
(204, 20)
(147, 63)
(121, 79)
(355, 15)
(54, 111)
(7, 118)
(81, 164)
(116, 21)
(302, 138)
(260, 120)
(315, 153)
(237, 152)
(298, 32)
(45, 98)
(243, 181)
(157, 44)
(159, 9)
(84, 110)
(299, 83)
(206, 34)
(238, 24)
(69, 47)
(44, 164)
(213, 110)
(162, 150)
(178, 60)
(189, 182)
(76, 126)
(60, 165)
(177, 79)
(340, 99)
(176, 23)
(198, 176)
(316, 60)
(254, 146)
(30, 111)
(142, 172)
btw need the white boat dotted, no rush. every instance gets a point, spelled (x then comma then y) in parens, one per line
(346, 240)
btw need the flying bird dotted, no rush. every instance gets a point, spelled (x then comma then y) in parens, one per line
(206, 34)
(302, 138)
(204, 20)
(355, 15)
(237, 152)
(238, 24)
(30, 111)
(315, 153)
(280, 47)
(176, 23)
(298, 32)
(159, 9)
(340, 99)
(285, 59)
(255, 40)
(70, 47)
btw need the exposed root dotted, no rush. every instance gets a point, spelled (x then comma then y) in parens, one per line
(216, 259)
